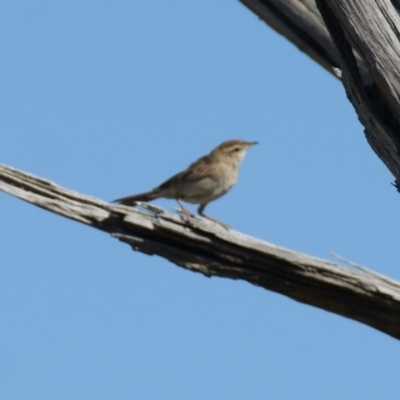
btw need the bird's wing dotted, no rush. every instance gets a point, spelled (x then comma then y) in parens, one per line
(196, 171)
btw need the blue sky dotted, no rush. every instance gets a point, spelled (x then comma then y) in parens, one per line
(110, 99)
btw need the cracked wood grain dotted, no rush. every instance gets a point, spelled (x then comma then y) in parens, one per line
(370, 29)
(357, 41)
(301, 23)
(209, 249)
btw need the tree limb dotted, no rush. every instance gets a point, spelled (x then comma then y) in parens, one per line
(208, 248)
(361, 37)
(370, 28)
(301, 23)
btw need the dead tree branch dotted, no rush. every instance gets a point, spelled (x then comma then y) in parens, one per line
(210, 249)
(301, 23)
(371, 29)
(360, 38)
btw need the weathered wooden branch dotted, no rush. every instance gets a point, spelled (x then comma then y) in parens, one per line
(301, 23)
(208, 248)
(370, 28)
(361, 38)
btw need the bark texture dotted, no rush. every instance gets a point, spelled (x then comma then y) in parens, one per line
(208, 248)
(358, 41)
(301, 23)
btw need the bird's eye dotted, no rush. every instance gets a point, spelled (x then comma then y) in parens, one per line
(236, 149)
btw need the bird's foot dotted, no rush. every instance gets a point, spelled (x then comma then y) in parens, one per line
(187, 215)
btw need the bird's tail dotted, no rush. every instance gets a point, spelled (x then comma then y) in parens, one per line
(129, 200)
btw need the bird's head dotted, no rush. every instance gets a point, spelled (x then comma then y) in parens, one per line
(235, 149)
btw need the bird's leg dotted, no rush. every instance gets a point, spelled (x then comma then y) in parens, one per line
(200, 212)
(185, 211)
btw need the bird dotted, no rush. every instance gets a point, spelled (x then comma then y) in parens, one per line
(205, 180)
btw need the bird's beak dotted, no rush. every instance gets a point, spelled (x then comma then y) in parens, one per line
(252, 143)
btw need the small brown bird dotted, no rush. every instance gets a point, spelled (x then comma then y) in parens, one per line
(207, 179)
